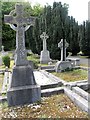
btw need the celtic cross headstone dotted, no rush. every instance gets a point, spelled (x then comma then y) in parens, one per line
(23, 88)
(20, 24)
(44, 37)
(45, 56)
(63, 47)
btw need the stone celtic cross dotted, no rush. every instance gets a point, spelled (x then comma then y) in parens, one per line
(20, 24)
(63, 49)
(44, 37)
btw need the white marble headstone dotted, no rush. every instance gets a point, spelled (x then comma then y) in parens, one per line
(44, 37)
(45, 56)
(60, 45)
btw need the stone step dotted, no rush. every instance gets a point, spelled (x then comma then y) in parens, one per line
(50, 70)
(44, 93)
(82, 93)
(78, 100)
(84, 86)
(82, 83)
(52, 91)
(47, 67)
(53, 85)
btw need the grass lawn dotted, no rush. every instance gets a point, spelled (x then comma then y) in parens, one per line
(57, 106)
(83, 56)
(2, 66)
(74, 75)
(11, 65)
(84, 65)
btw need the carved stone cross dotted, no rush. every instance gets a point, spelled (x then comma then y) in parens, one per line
(44, 37)
(63, 49)
(20, 24)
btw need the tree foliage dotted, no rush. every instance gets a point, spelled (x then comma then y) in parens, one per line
(84, 35)
(54, 20)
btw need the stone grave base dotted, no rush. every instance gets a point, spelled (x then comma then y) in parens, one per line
(76, 92)
(62, 65)
(44, 57)
(23, 88)
(23, 95)
(51, 85)
(74, 61)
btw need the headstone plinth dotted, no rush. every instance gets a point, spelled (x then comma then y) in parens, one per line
(63, 64)
(74, 61)
(45, 55)
(22, 88)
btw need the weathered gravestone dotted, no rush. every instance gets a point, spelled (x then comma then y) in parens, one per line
(23, 88)
(63, 49)
(2, 49)
(45, 56)
(3, 53)
(63, 64)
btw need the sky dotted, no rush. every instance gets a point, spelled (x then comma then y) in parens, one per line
(77, 8)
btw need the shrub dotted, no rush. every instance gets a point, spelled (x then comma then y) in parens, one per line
(35, 63)
(28, 54)
(6, 61)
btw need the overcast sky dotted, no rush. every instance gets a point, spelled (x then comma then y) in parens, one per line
(77, 8)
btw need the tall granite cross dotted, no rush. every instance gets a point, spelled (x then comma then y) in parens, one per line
(20, 24)
(44, 37)
(63, 45)
(22, 88)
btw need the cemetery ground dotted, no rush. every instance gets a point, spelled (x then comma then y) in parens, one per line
(26, 81)
(74, 75)
(55, 106)
(69, 75)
